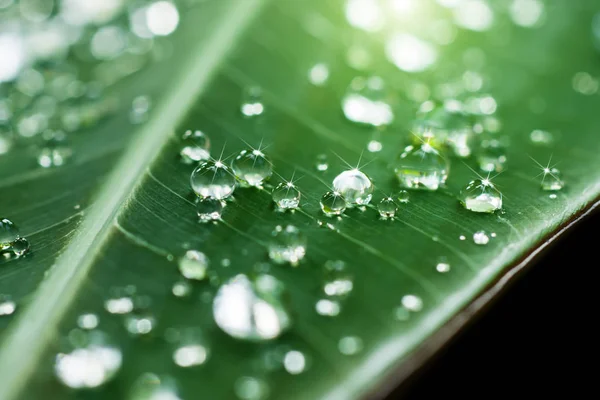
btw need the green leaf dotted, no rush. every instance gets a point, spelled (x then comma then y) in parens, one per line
(121, 212)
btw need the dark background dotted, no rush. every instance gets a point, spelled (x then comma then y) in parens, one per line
(540, 337)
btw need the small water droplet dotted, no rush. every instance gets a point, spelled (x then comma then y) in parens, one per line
(90, 364)
(493, 234)
(209, 209)
(318, 74)
(55, 150)
(481, 196)
(213, 179)
(250, 388)
(421, 167)
(140, 108)
(403, 196)
(552, 180)
(462, 237)
(481, 238)
(338, 282)
(288, 245)
(553, 196)
(194, 265)
(442, 266)
(365, 102)
(387, 208)
(354, 186)
(412, 303)
(196, 147)
(182, 289)
(491, 155)
(251, 309)
(322, 164)
(119, 305)
(139, 324)
(286, 195)
(541, 137)
(87, 321)
(190, 355)
(252, 102)
(294, 362)
(374, 146)
(350, 345)
(328, 308)
(333, 203)
(252, 167)
(7, 306)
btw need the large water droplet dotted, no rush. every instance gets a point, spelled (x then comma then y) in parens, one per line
(288, 245)
(552, 180)
(355, 187)
(365, 102)
(387, 208)
(333, 203)
(209, 209)
(11, 243)
(421, 167)
(193, 265)
(90, 364)
(212, 179)
(252, 167)
(196, 147)
(251, 309)
(481, 196)
(481, 238)
(286, 195)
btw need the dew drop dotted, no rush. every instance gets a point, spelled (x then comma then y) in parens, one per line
(55, 150)
(190, 355)
(333, 203)
(322, 164)
(11, 243)
(252, 102)
(541, 137)
(374, 146)
(421, 167)
(87, 321)
(412, 303)
(318, 74)
(251, 309)
(7, 306)
(481, 238)
(553, 196)
(250, 388)
(89, 365)
(194, 265)
(181, 289)
(138, 325)
(252, 167)
(288, 245)
(387, 208)
(119, 305)
(338, 282)
(442, 266)
(403, 196)
(294, 362)
(354, 186)
(491, 155)
(196, 147)
(365, 102)
(328, 308)
(213, 179)
(481, 196)
(350, 345)
(286, 196)
(552, 181)
(140, 108)
(462, 237)
(209, 209)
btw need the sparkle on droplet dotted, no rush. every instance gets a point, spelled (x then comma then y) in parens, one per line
(212, 179)
(194, 265)
(421, 167)
(196, 147)
(252, 167)
(552, 180)
(288, 245)
(286, 195)
(412, 302)
(354, 186)
(481, 196)
(350, 345)
(387, 208)
(209, 209)
(481, 238)
(333, 203)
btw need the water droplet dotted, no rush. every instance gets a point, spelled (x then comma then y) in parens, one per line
(193, 265)
(387, 208)
(7, 306)
(462, 237)
(350, 345)
(365, 102)
(328, 308)
(421, 167)
(196, 147)
(412, 303)
(151, 387)
(374, 146)
(55, 150)
(213, 179)
(333, 203)
(442, 266)
(140, 108)
(252, 167)
(318, 74)
(119, 305)
(354, 186)
(338, 282)
(251, 309)
(8, 233)
(139, 324)
(190, 355)
(481, 196)
(322, 164)
(87, 321)
(252, 102)
(90, 365)
(288, 245)
(403, 196)
(553, 196)
(286, 196)
(491, 155)
(294, 362)
(481, 238)
(182, 289)
(209, 209)
(552, 180)
(250, 388)
(541, 137)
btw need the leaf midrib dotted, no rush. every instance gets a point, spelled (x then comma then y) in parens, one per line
(37, 324)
